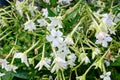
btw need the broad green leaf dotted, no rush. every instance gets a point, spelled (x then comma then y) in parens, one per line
(22, 75)
(8, 76)
(51, 13)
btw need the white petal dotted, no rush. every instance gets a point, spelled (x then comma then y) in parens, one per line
(102, 76)
(98, 42)
(18, 55)
(108, 73)
(104, 43)
(109, 39)
(2, 74)
(106, 78)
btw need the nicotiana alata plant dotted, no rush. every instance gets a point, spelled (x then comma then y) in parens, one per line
(59, 40)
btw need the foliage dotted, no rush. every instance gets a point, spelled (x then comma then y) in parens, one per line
(60, 40)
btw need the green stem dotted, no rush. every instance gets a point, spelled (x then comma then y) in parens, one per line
(76, 67)
(54, 52)
(95, 62)
(12, 60)
(4, 31)
(31, 47)
(5, 35)
(71, 9)
(63, 75)
(43, 52)
(11, 49)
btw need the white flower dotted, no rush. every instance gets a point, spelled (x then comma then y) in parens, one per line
(56, 21)
(65, 1)
(106, 76)
(71, 60)
(47, 60)
(69, 40)
(55, 37)
(19, 6)
(3, 63)
(63, 48)
(72, 57)
(61, 54)
(32, 8)
(50, 27)
(47, 1)
(45, 12)
(31, 61)
(2, 74)
(83, 58)
(107, 63)
(42, 22)
(59, 63)
(11, 67)
(108, 19)
(95, 52)
(117, 18)
(23, 57)
(44, 62)
(103, 38)
(30, 25)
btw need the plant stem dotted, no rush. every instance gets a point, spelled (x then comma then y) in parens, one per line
(31, 47)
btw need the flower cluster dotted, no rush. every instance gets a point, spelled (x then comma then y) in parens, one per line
(56, 39)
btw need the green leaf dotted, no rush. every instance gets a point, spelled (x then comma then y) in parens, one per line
(116, 63)
(51, 13)
(72, 14)
(53, 2)
(8, 76)
(22, 75)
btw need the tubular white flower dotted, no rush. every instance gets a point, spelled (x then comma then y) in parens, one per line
(55, 37)
(3, 63)
(30, 25)
(45, 12)
(42, 22)
(47, 1)
(44, 62)
(71, 60)
(59, 63)
(69, 40)
(19, 6)
(23, 57)
(117, 18)
(50, 27)
(64, 1)
(106, 76)
(103, 38)
(2, 74)
(32, 8)
(108, 19)
(95, 52)
(56, 21)
(11, 67)
(83, 58)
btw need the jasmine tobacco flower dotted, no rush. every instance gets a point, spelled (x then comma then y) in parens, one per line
(30, 25)
(23, 57)
(103, 38)
(106, 76)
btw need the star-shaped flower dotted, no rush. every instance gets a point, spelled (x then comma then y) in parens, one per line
(44, 62)
(106, 76)
(103, 38)
(30, 25)
(23, 57)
